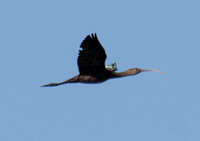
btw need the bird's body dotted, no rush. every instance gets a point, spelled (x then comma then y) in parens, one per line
(91, 64)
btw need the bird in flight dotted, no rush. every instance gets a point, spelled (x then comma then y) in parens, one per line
(91, 65)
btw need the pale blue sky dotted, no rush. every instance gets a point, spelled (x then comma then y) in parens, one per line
(39, 43)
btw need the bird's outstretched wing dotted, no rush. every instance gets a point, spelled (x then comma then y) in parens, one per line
(91, 60)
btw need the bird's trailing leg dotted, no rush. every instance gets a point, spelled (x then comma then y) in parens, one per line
(72, 80)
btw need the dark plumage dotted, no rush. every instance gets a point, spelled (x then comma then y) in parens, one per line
(91, 64)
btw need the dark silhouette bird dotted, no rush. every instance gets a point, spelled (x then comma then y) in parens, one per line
(91, 64)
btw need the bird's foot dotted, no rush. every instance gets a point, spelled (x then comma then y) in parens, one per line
(50, 84)
(113, 66)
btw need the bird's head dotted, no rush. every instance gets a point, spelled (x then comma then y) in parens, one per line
(133, 71)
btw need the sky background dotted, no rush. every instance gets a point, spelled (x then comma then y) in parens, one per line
(39, 43)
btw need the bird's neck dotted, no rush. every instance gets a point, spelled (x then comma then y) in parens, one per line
(123, 74)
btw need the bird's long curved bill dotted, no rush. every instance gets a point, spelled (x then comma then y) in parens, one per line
(150, 70)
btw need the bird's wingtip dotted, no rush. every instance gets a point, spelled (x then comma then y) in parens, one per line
(94, 35)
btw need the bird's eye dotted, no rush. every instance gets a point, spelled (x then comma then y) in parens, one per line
(137, 69)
